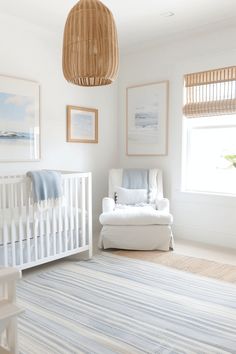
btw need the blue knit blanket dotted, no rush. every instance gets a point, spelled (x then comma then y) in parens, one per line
(46, 185)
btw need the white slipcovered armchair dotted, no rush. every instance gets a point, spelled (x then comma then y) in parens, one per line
(136, 225)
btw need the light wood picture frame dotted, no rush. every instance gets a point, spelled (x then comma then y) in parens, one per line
(147, 119)
(19, 120)
(82, 125)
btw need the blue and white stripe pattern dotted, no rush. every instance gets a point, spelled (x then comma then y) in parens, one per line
(112, 304)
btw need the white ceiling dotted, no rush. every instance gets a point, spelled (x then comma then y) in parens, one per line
(138, 21)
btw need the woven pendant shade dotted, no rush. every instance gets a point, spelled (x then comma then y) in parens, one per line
(90, 48)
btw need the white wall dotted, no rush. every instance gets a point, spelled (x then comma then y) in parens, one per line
(29, 52)
(32, 53)
(209, 219)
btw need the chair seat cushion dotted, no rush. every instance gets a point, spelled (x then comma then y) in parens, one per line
(136, 215)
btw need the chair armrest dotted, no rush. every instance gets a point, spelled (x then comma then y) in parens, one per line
(163, 205)
(108, 204)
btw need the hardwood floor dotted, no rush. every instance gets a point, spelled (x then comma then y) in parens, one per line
(206, 260)
(208, 268)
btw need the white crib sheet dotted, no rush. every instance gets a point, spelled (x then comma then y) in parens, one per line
(9, 215)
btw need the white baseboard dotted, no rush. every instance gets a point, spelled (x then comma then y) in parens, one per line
(186, 232)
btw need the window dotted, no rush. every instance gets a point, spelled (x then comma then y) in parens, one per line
(209, 142)
(210, 134)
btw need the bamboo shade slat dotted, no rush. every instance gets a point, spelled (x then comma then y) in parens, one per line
(210, 93)
(90, 47)
(211, 76)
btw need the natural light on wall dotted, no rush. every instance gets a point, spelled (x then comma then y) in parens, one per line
(209, 161)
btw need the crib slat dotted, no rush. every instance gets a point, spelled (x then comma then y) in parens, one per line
(4, 228)
(71, 214)
(89, 215)
(66, 217)
(83, 215)
(13, 230)
(76, 214)
(21, 205)
(13, 243)
(60, 228)
(28, 225)
(5, 245)
(28, 239)
(47, 233)
(54, 230)
(11, 198)
(41, 232)
(20, 240)
(35, 235)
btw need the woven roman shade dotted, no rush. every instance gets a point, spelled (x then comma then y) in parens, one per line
(210, 93)
(90, 47)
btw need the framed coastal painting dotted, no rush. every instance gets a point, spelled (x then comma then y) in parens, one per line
(19, 120)
(147, 119)
(82, 125)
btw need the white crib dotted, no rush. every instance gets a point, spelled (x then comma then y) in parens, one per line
(29, 237)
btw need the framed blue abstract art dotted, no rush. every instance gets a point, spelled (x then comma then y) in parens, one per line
(19, 120)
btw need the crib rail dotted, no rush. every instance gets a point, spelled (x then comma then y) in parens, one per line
(30, 236)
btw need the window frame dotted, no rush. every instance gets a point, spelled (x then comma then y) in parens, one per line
(187, 128)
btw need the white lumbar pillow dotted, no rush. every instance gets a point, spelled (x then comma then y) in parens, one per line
(131, 196)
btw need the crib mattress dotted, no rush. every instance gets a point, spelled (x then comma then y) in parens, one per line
(7, 215)
(13, 219)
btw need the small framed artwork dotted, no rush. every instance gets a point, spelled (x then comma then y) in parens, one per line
(82, 125)
(19, 120)
(147, 119)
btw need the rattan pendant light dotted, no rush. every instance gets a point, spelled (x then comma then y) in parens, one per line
(90, 48)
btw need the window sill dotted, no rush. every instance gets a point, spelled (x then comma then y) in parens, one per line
(208, 194)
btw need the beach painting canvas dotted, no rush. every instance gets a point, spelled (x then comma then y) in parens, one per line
(147, 113)
(82, 125)
(19, 120)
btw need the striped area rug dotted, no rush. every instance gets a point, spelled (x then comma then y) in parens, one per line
(113, 304)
